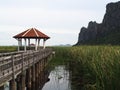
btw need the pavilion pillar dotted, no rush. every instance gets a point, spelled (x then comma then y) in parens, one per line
(39, 43)
(25, 45)
(29, 43)
(21, 42)
(18, 44)
(36, 44)
(44, 40)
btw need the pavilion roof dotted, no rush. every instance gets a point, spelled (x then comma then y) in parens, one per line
(32, 33)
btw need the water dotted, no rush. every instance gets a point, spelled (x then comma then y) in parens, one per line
(6, 86)
(59, 79)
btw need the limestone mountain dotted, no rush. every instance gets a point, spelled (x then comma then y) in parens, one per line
(107, 32)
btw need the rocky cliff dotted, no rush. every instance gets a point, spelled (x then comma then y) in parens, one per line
(107, 32)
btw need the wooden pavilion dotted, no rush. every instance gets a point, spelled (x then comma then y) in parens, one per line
(31, 33)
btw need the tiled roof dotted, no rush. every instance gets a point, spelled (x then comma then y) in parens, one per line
(31, 33)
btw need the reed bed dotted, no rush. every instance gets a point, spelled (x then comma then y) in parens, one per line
(4, 49)
(93, 67)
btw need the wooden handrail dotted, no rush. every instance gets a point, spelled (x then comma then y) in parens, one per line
(11, 64)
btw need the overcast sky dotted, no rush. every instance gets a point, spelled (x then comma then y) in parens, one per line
(59, 19)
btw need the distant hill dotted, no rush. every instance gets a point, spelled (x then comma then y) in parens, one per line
(107, 32)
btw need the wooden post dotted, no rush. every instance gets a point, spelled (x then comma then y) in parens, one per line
(33, 74)
(41, 66)
(13, 70)
(28, 74)
(12, 85)
(23, 81)
(46, 62)
(23, 74)
(18, 80)
(12, 82)
(36, 72)
(28, 82)
(39, 72)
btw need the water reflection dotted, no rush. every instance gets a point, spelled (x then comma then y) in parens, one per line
(6, 86)
(59, 79)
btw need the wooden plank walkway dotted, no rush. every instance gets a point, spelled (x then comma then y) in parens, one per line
(14, 63)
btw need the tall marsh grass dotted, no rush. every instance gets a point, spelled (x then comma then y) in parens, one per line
(4, 49)
(93, 67)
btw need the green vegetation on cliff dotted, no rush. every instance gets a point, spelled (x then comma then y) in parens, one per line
(111, 38)
(106, 32)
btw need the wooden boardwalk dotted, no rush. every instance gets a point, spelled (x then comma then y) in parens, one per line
(22, 69)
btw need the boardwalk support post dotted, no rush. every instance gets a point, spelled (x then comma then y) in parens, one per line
(36, 77)
(28, 74)
(33, 73)
(18, 80)
(12, 82)
(23, 74)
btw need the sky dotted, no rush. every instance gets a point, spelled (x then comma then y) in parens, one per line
(59, 19)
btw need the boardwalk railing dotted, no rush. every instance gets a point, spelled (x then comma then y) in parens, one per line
(13, 64)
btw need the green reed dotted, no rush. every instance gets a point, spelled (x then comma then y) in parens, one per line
(93, 67)
(4, 49)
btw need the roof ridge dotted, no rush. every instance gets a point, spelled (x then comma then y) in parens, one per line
(35, 32)
(26, 32)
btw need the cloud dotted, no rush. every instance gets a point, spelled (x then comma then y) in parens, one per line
(39, 16)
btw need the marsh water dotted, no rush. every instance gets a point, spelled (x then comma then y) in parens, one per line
(58, 80)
